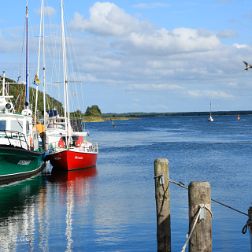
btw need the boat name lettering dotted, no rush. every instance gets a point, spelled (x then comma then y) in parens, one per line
(24, 162)
(76, 157)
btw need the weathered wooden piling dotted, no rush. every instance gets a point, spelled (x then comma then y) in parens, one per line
(200, 197)
(249, 225)
(162, 196)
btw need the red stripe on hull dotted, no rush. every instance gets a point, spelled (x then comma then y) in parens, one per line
(72, 160)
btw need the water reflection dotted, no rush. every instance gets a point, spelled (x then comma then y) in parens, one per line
(74, 186)
(27, 210)
(58, 175)
(17, 213)
(72, 181)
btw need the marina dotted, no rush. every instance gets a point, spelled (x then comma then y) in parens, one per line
(112, 207)
(107, 142)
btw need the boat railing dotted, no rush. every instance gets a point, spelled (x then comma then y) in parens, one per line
(54, 146)
(90, 148)
(93, 148)
(15, 138)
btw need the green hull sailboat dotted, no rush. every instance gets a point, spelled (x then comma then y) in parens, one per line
(17, 163)
(20, 155)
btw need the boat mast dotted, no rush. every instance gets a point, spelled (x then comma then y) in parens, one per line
(27, 60)
(66, 105)
(43, 60)
(44, 82)
(44, 63)
(36, 79)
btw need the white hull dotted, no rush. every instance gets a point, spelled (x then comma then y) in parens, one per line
(210, 119)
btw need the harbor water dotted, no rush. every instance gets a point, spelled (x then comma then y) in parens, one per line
(112, 207)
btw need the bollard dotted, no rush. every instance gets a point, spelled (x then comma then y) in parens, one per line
(199, 194)
(249, 223)
(162, 196)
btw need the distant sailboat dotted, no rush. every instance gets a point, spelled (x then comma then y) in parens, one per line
(210, 118)
(238, 117)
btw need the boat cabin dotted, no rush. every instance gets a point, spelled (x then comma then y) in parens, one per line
(16, 129)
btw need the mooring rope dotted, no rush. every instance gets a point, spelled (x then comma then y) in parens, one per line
(227, 206)
(201, 207)
(181, 184)
(248, 224)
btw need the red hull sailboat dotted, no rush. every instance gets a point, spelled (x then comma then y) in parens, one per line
(76, 153)
(73, 159)
(68, 148)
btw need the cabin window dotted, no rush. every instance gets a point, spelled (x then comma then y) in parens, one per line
(2, 125)
(16, 126)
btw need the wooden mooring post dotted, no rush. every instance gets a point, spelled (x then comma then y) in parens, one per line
(200, 200)
(249, 223)
(162, 195)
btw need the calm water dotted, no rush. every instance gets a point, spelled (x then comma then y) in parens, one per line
(112, 207)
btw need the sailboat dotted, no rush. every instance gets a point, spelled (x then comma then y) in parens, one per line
(210, 118)
(20, 154)
(68, 148)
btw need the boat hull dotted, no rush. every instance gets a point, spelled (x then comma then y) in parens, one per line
(17, 163)
(72, 160)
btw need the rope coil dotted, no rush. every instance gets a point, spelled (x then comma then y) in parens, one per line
(246, 226)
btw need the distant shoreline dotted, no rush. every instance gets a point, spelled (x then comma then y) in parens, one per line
(153, 114)
(105, 118)
(129, 116)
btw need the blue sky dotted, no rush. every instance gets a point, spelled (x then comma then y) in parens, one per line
(141, 56)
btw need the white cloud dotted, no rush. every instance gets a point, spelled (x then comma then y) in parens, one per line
(209, 93)
(48, 11)
(154, 87)
(108, 19)
(226, 34)
(240, 46)
(175, 41)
